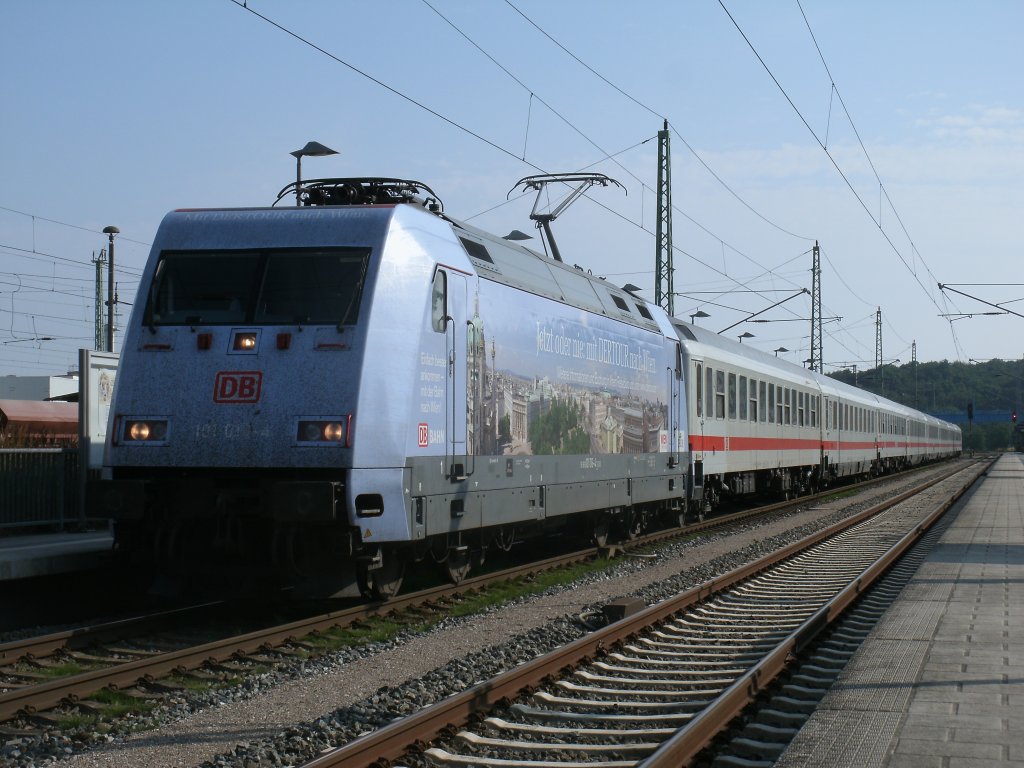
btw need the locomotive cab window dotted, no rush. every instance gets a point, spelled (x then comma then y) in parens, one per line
(439, 302)
(279, 287)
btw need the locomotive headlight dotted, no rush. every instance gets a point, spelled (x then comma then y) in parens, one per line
(321, 431)
(149, 431)
(244, 342)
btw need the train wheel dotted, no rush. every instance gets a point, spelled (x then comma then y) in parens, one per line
(636, 525)
(504, 538)
(458, 564)
(384, 582)
(167, 543)
(602, 529)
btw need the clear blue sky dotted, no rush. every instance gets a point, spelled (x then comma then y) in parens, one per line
(117, 112)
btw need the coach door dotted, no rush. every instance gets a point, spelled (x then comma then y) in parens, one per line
(676, 409)
(455, 286)
(699, 414)
(828, 430)
(693, 431)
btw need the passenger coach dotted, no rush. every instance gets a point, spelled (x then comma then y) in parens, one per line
(759, 424)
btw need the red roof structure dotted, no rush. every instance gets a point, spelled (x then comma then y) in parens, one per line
(35, 419)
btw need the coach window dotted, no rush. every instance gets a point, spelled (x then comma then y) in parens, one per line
(700, 390)
(786, 411)
(779, 396)
(771, 403)
(743, 398)
(762, 389)
(753, 399)
(800, 408)
(439, 302)
(719, 394)
(813, 401)
(732, 395)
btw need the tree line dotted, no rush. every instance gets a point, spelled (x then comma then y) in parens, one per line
(993, 389)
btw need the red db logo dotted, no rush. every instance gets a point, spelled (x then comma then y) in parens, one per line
(423, 435)
(237, 387)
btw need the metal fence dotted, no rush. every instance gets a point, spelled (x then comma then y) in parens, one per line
(40, 486)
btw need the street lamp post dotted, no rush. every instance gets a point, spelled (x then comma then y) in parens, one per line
(780, 349)
(110, 232)
(745, 335)
(312, 149)
(695, 315)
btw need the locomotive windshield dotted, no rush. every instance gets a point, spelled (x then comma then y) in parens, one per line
(273, 287)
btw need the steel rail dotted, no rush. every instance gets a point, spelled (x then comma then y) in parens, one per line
(41, 696)
(392, 741)
(689, 741)
(80, 637)
(37, 697)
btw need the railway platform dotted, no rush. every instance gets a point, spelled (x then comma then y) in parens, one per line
(47, 554)
(940, 679)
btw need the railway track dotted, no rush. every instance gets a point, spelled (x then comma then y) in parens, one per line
(657, 687)
(120, 667)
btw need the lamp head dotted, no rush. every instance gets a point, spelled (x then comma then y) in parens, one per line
(313, 149)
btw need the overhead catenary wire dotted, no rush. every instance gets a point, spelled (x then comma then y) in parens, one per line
(658, 115)
(607, 155)
(470, 132)
(842, 174)
(697, 155)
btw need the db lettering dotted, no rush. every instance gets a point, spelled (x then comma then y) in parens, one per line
(237, 387)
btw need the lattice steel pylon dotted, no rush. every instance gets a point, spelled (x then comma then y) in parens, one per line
(816, 354)
(664, 295)
(100, 325)
(878, 338)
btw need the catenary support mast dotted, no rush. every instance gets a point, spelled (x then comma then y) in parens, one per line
(664, 295)
(816, 353)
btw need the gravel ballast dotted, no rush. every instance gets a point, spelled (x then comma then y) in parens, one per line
(295, 711)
